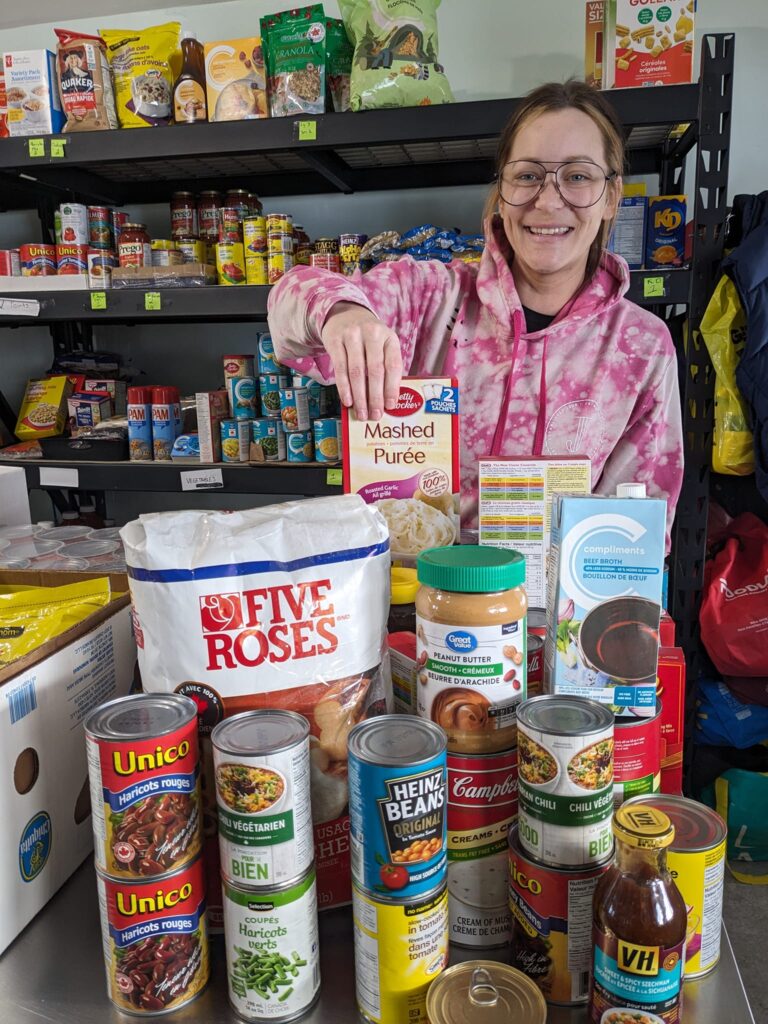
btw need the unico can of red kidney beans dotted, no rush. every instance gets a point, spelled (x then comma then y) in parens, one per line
(482, 805)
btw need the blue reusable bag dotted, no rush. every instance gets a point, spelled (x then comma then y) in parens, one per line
(723, 720)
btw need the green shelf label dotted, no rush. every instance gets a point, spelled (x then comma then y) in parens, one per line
(57, 147)
(653, 287)
(98, 300)
(36, 147)
(307, 131)
(152, 300)
(334, 476)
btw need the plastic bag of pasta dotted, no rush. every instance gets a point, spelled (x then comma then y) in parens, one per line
(144, 66)
(396, 60)
(294, 53)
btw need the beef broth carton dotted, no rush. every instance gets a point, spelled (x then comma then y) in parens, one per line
(604, 598)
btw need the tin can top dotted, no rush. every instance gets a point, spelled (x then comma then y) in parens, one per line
(396, 740)
(140, 716)
(564, 716)
(697, 827)
(483, 990)
(260, 732)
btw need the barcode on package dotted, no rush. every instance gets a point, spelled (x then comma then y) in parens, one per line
(22, 701)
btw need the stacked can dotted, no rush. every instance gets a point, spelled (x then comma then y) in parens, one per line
(563, 841)
(147, 823)
(279, 245)
(242, 394)
(261, 767)
(255, 247)
(326, 254)
(350, 246)
(398, 814)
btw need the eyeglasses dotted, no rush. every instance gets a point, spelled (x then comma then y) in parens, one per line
(579, 183)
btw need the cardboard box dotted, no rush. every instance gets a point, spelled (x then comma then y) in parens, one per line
(515, 508)
(235, 80)
(45, 798)
(43, 411)
(116, 389)
(628, 235)
(593, 43)
(86, 411)
(212, 407)
(402, 663)
(648, 43)
(671, 692)
(32, 93)
(665, 232)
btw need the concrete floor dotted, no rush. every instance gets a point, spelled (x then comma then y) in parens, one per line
(746, 916)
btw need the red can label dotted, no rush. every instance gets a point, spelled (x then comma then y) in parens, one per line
(10, 265)
(535, 665)
(636, 757)
(482, 806)
(155, 940)
(208, 218)
(184, 220)
(145, 797)
(72, 259)
(37, 260)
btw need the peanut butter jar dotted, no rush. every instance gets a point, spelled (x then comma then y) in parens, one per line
(471, 652)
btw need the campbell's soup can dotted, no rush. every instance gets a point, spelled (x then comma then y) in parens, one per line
(397, 806)
(145, 790)
(551, 923)
(155, 939)
(636, 756)
(535, 655)
(482, 806)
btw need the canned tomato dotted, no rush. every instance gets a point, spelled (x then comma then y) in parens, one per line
(73, 224)
(696, 860)
(230, 263)
(535, 655)
(400, 948)
(71, 259)
(261, 763)
(243, 397)
(537, 622)
(300, 447)
(119, 219)
(235, 440)
(326, 440)
(325, 261)
(267, 441)
(279, 244)
(101, 263)
(208, 204)
(482, 806)
(294, 409)
(230, 224)
(266, 356)
(256, 270)
(183, 215)
(551, 912)
(192, 250)
(565, 751)
(269, 392)
(100, 233)
(397, 806)
(273, 949)
(10, 265)
(37, 260)
(636, 756)
(255, 236)
(145, 791)
(277, 265)
(237, 366)
(154, 934)
(482, 990)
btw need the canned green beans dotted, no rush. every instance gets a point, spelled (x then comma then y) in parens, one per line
(267, 441)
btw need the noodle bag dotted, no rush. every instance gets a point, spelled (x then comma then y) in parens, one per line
(283, 606)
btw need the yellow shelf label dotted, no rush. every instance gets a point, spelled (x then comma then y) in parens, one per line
(307, 131)
(98, 300)
(36, 147)
(653, 287)
(334, 477)
(57, 147)
(152, 300)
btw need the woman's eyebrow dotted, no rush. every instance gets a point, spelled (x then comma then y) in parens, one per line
(565, 160)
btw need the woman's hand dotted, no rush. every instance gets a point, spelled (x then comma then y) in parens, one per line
(366, 359)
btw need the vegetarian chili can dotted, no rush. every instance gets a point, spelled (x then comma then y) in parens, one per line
(565, 752)
(145, 789)
(636, 756)
(482, 806)
(400, 948)
(551, 923)
(261, 764)
(155, 940)
(397, 806)
(696, 860)
(273, 949)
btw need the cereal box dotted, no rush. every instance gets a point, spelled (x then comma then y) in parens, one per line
(407, 464)
(32, 93)
(3, 106)
(593, 43)
(515, 507)
(235, 81)
(665, 231)
(648, 43)
(43, 410)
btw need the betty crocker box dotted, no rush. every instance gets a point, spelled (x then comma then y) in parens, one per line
(648, 42)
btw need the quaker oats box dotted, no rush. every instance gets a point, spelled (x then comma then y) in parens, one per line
(32, 94)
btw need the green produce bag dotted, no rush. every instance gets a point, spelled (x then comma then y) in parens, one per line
(740, 797)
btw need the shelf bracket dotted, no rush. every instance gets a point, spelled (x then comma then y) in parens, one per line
(331, 167)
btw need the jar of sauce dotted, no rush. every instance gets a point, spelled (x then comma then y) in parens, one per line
(471, 644)
(183, 215)
(134, 248)
(240, 198)
(208, 204)
(639, 921)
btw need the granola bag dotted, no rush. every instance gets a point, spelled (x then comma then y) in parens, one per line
(85, 82)
(338, 64)
(396, 59)
(145, 64)
(294, 53)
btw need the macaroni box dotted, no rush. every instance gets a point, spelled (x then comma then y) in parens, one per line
(515, 508)
(593, 43)
(235, 82)
(407, 464)
(32, 93)
(665, 231)
(648, 43)
(604, 600)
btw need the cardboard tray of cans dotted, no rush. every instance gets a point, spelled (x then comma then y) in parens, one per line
(183, 275)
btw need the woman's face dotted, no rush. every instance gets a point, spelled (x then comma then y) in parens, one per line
(549, 237)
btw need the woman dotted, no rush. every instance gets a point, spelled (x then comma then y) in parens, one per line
(551, 358)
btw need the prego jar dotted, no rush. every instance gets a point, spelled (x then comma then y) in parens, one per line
(471, 644)
(134, 248)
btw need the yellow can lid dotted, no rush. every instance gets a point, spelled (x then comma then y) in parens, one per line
(643, 826)
(404, 584)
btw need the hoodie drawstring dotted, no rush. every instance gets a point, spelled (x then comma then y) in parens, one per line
(541, 416)
(518, 325)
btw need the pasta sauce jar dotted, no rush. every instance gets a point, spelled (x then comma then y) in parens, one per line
(471, 645)
(134, 248)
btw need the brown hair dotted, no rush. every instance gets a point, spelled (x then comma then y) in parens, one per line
(570, 95)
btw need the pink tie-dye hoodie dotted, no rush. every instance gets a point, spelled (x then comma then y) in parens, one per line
(601, 380)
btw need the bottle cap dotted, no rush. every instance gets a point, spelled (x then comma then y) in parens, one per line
(631, 491)
(643, 826)
(471, 569)
(404, 585)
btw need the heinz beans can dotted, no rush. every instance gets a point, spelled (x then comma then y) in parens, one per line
(155, 940)
(145, 790)
(565, 752)
(261, 763)
(397, 806)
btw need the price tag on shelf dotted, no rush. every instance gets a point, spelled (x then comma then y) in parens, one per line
(201, 479)
(19, 307)
(36, 147)
(653, 287)
(58, 148)
(334, 477)
(98, 300)
(307, 131)
(152, 300)
(58, 476)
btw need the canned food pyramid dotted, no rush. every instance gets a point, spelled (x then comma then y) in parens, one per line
(265, 821)
(155, 939)
(565, 784)
(145, 791)
(397, 806)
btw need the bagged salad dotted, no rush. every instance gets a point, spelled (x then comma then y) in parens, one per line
(294, 54)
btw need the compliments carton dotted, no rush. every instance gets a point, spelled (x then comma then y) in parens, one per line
(32, 93)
